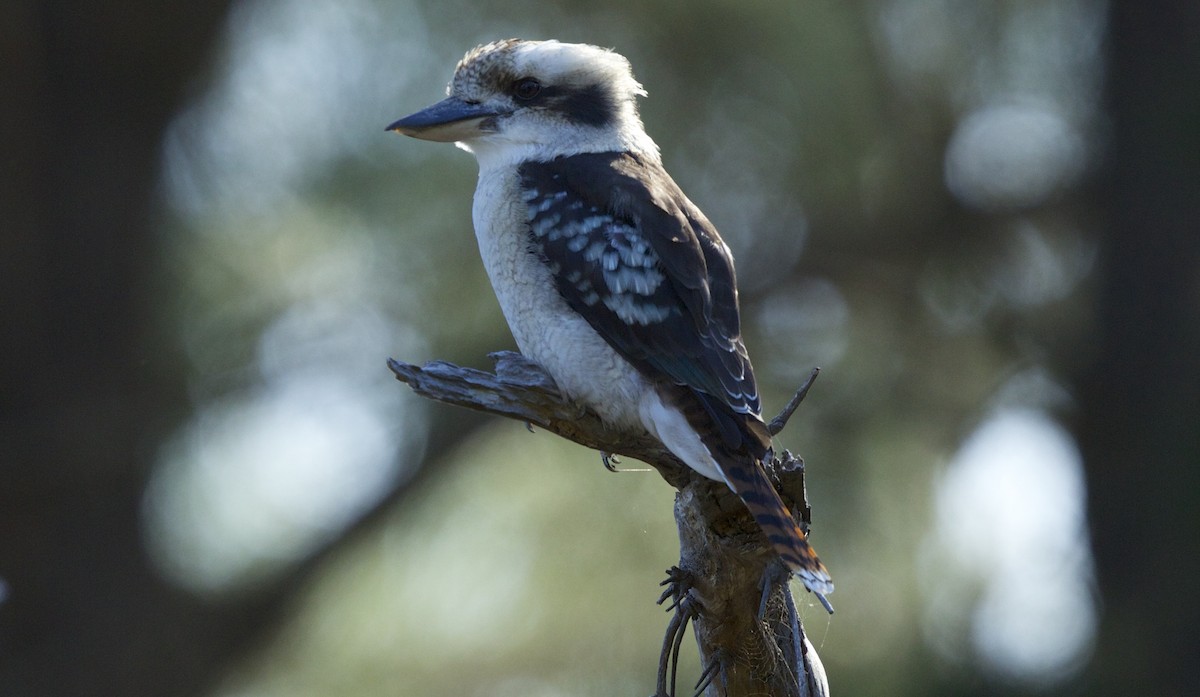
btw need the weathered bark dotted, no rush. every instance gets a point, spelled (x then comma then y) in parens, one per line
(752, 645)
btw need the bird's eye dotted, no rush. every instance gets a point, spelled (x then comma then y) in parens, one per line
(526, 88)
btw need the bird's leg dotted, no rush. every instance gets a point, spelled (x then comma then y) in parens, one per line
(774, 575)
(686, 607)
(611, 461)
(710, 672)
(678, 584)
(789, 632)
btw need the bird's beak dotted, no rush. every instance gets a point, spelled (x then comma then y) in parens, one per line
(448, 121)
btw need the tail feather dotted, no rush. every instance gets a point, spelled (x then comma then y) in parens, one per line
(736, 444)
(753, 487)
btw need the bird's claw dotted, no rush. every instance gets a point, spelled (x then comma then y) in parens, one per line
(706, 677)
(611, 461)
(686, 608)
(678, 584)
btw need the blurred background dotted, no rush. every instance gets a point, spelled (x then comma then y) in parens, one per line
(980, 220)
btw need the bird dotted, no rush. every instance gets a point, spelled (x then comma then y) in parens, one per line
(609, 277)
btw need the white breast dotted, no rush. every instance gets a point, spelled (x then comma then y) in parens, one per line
(546, 329)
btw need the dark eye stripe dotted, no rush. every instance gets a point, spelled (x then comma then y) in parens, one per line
(526, 88)
(592, 105)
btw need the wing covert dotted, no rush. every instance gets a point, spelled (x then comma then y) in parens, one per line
(642, 264)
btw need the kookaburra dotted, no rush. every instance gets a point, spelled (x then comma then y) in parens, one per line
(609, 277)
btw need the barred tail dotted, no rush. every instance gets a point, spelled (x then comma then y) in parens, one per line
(733, 445)
(787, 539)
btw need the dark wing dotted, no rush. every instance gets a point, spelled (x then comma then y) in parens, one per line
(631, 254)
(651, 275)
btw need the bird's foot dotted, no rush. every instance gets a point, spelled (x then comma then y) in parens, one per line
(710, 672)
(686, 607)
(611, 461)
(774, 575)
(678, 584)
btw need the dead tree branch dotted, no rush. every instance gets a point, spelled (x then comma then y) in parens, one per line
(728, 581)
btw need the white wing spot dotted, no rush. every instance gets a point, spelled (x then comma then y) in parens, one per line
(611, 260)
(631, 311)
(546, 224)
(577, 243)
(640, 281)
(588, 225)
(595, 250)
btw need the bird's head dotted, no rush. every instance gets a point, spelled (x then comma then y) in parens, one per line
(518, 100)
